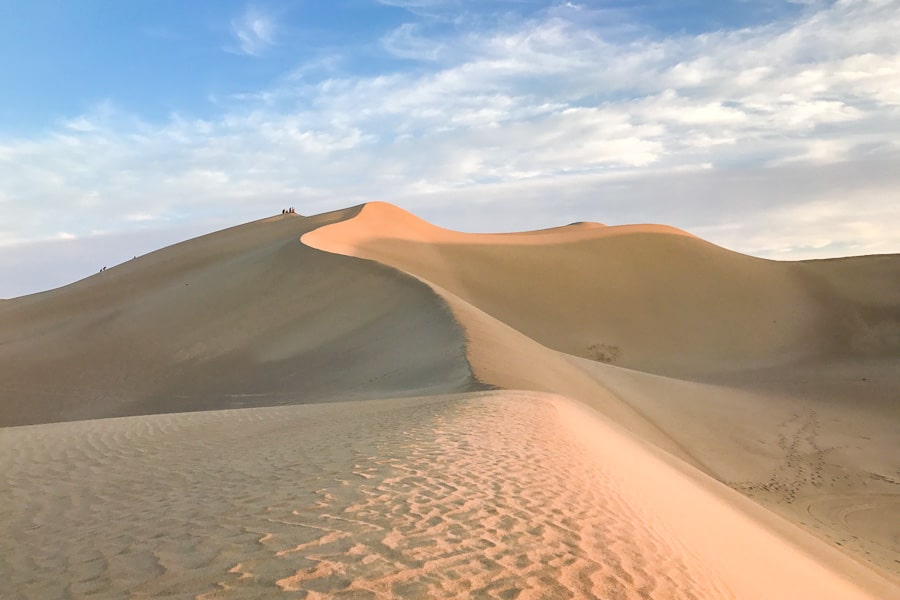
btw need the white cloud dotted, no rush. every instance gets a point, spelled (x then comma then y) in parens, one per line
(426, 8)
(407, 42)
(254, 31)
(139, 216)
(80, 124)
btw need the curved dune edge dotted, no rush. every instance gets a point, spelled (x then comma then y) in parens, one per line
(386, 221)
(646, 297)
(758, 554)
(238, 318)
(498, 355)
(501, 356)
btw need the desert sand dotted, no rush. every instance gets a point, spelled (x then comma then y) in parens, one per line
(243, 317)
(363, 405)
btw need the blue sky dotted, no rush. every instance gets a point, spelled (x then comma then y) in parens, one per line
(769, 127)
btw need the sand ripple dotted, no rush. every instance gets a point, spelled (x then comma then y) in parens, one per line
(481, 495)
(491, 501)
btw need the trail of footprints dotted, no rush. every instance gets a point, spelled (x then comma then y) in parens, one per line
(821, 494)
(803, 462)
(481, 496)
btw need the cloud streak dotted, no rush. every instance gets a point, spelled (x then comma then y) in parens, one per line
(254, 31)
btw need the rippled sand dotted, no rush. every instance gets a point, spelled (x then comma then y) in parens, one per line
(597, 481)
(444, 497)
(488, 495)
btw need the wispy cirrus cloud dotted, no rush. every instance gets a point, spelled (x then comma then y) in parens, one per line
(427, 8)
(406, 41)
(254, 31)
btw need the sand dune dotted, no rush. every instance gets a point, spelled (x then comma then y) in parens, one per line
(646, 297)
(491, 495)
(748, 450)
(811, 445)
(244, 317)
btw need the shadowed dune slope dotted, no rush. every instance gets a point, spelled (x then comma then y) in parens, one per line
(815, 443)
(520, 492)
(646, 297)
(247, 316)
(803, 420)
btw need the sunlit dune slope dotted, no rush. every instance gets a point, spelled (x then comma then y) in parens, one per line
(244, 317)
(648, 297)
(481, 495)
(801, 419)
(576, 478)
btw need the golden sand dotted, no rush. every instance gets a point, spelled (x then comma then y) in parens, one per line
(670, 419)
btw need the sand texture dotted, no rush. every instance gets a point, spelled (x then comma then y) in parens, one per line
(362, 405)
(640, 296)
(243, 317)
(493, 495)
(778, 379)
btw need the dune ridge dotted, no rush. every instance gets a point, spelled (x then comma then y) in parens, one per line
(701, 308)
(740, 438)
(243, 317)
(667, 419)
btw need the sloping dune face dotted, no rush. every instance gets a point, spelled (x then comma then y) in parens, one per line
(798, 412)
(487, 495)
(575, 479)
(646, 296)
(244, 317)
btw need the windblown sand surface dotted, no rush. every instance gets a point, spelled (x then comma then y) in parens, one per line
(750, 449)
(643, 297)
(243, 317)
(802, 360)
(492, 495)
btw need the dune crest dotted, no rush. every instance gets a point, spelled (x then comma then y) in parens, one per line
(512, 308)
(646, 297)
(243, 317)
(581, 411)
(382, 220)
